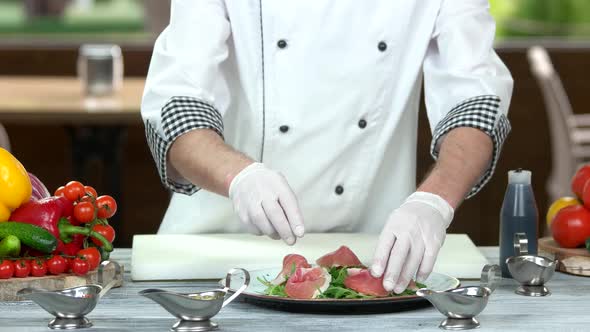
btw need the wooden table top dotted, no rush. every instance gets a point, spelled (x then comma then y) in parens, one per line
(122, 309)
(60, 100)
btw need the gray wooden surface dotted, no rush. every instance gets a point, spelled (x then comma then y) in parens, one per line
(567, 309)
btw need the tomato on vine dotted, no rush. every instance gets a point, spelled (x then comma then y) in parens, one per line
(74, 190)
(22, 268)
(57, 265)
(90, 255)
(6, 269)
(84, 212)
(60, 191)
(80, 266)
(38, 268)
(105, 230)
(90, 191)
(106, 206)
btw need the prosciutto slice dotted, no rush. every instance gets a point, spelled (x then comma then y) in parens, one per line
(362, 281)
(307, 283)
(341, 257)
(290, 263)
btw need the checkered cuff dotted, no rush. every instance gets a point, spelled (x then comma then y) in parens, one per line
(483, 113)
(179, 116)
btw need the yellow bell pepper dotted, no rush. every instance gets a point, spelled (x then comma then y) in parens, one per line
(15, 185)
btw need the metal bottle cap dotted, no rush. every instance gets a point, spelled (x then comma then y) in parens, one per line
(519, 176)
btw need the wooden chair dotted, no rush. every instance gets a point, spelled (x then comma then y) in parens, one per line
(570, 133)
(4, 142)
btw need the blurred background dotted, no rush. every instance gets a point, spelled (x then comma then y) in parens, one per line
(60, 134)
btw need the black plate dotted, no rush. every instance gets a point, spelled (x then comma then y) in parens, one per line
(371, 306)
(254, 294)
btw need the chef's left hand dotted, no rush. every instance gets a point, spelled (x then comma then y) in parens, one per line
(411, 240)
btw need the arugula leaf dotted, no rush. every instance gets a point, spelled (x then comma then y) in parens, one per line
(338, 275)
(336, 292)
(273, 290)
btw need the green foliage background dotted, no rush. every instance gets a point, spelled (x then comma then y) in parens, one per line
(515, 18)
(553, 18)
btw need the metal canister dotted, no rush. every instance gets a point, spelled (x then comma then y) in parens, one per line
(100, 68)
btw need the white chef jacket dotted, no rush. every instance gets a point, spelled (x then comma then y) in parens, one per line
(325, 92)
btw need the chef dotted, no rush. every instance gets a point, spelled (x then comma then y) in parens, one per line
(282, 118)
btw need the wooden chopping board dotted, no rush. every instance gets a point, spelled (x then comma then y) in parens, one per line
(9, 287)
(572, 261)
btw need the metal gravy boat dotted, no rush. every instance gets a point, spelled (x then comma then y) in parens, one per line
(461, 305)
(532, 272)
(71, 305)
(195, 310)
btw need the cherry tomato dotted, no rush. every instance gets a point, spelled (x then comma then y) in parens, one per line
(106, 206)
(88, 198)
(91, 255)
(57, 265)
(90, 191)
(70, 262)
(59, 191)
(84, 212)
(105, 230)
(22, 268)
(6, 269)
(74, 190)
(80, 266)
(38, 268)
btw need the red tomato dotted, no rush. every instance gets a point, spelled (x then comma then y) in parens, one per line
(38, 268)
(59, 191)
(91, 255)
(74, 190)
(586, 195)
(89, 199)
(57, 265)
(80, 266)
(90, 191)
(106, 206)
(579, 180)
(70, 262)
(84, 212)
(22, 268)
(6, 269)
(105, 230)
(571, 226)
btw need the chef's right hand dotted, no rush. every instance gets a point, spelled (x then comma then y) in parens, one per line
(265, 203)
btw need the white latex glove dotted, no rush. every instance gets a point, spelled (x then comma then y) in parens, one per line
(411, 240)
(265, 203)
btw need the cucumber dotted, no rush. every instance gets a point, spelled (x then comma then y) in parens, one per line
(32, 236)
(10, 246)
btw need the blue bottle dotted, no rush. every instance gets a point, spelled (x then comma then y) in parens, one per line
(519, 214)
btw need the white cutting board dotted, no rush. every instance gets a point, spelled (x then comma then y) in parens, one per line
(210, 256)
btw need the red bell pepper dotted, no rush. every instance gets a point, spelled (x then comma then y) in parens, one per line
(72, 248)
(52, 214)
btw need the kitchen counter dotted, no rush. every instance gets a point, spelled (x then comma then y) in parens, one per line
(123, 310)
